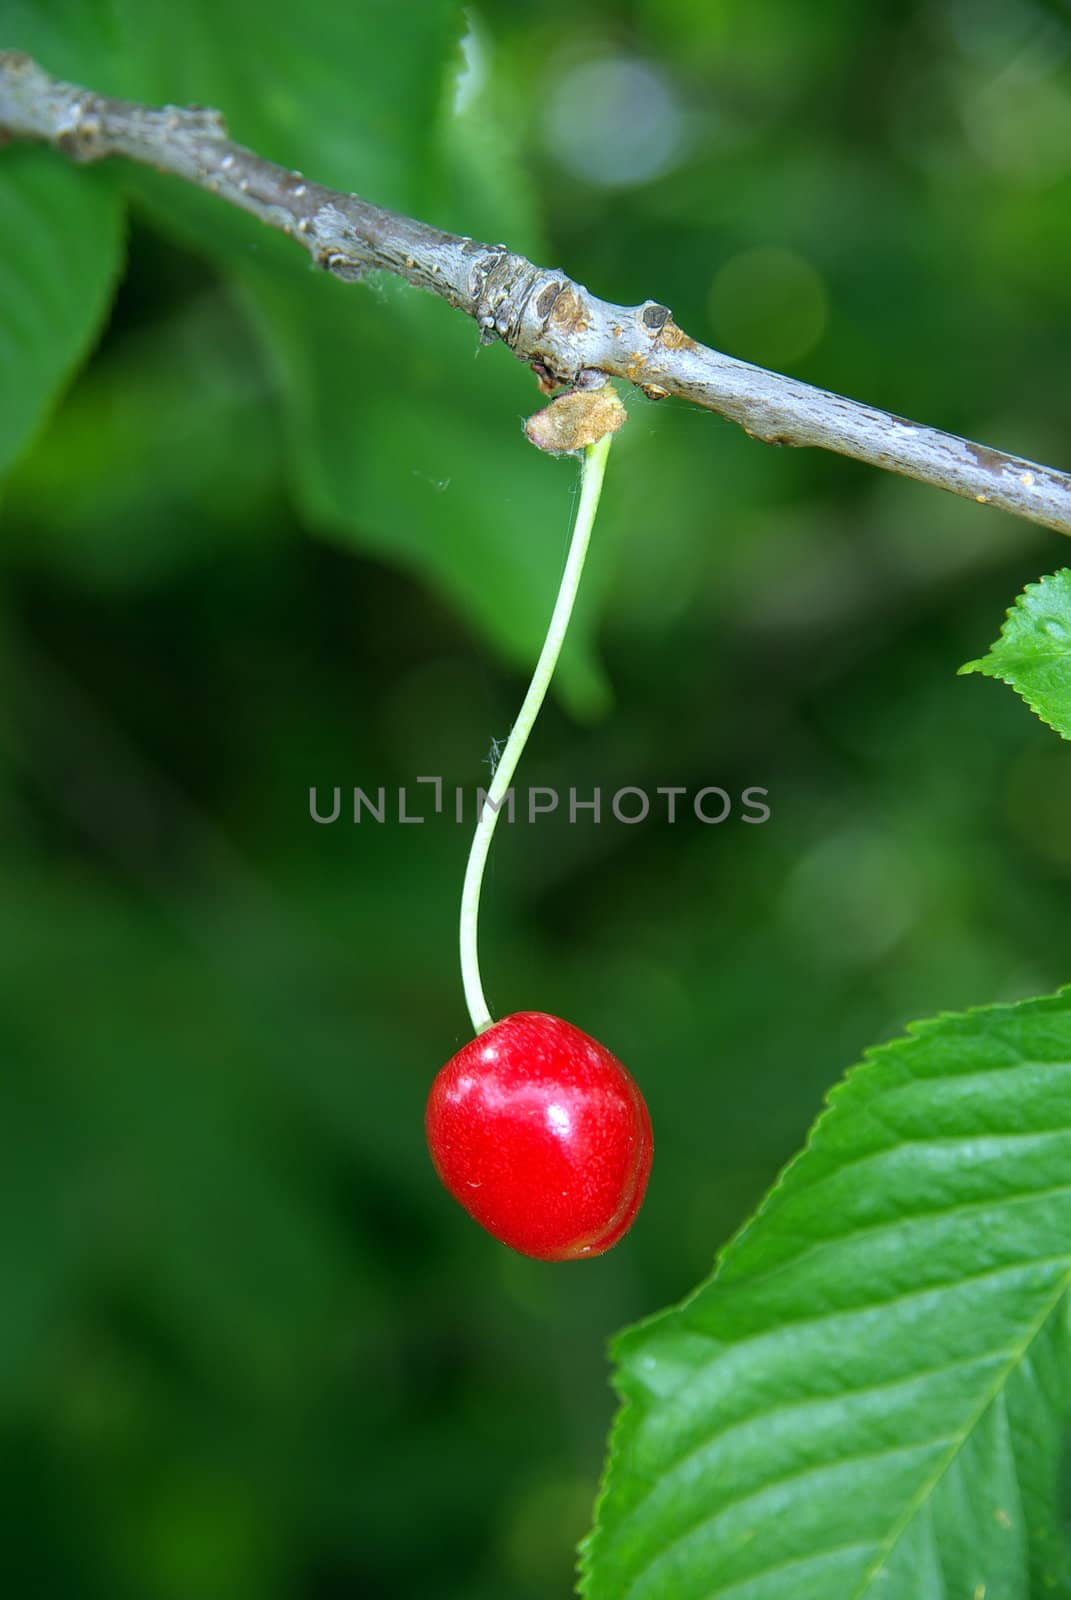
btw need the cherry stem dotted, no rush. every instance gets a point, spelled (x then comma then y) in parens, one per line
(594, 467)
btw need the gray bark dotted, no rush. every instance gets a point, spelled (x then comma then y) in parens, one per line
(569, 336)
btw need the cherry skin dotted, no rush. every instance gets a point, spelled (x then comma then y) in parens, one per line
(543, 1137)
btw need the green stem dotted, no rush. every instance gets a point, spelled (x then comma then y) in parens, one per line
(590, 490)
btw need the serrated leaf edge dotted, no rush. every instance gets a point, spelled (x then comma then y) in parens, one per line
(621, 1380)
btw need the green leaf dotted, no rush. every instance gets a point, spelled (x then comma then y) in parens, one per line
(62, 253)
(868, 1398)
(403, 437)
(480, 179)
(1033, 653)
(346, 93)
(143, 446)
(75, 40)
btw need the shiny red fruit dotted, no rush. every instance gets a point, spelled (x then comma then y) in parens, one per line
(542, 1136)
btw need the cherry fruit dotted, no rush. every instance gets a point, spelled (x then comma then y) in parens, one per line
(543, 1136)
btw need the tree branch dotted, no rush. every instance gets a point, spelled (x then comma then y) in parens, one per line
(567, 335)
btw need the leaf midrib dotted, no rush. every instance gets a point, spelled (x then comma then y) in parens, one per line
(996, 1388)
(1016, 1353)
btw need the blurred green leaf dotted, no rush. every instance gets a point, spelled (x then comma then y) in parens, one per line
(144, 445)
(61, 258)
(77, 40)
(402, 436)
(476, 150)
(870, 1394)
(407, 440)
(346, 93)
(1033, 653)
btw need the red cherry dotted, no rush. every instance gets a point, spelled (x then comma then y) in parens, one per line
(543, 1137)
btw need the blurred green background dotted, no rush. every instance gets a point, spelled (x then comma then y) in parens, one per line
(279, 532)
